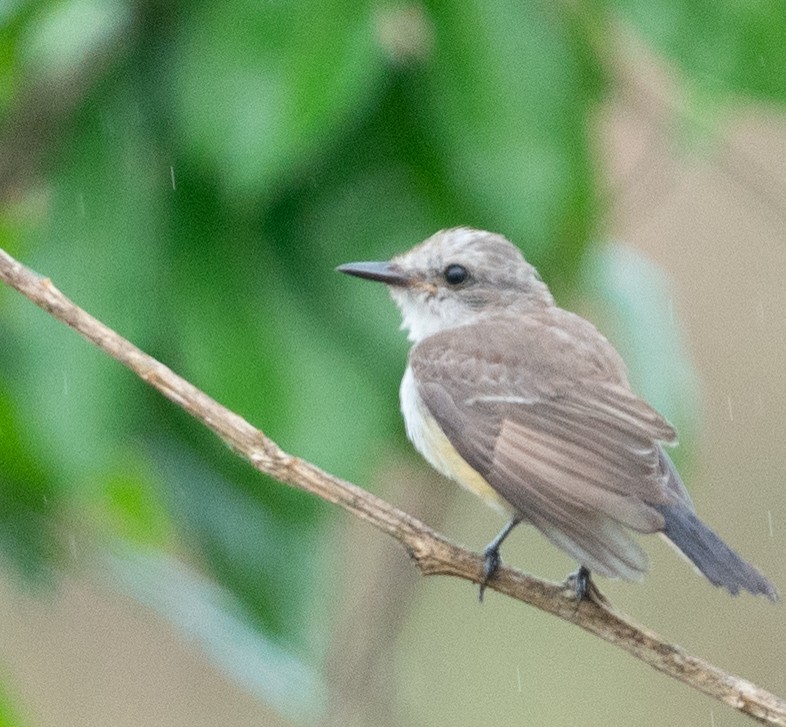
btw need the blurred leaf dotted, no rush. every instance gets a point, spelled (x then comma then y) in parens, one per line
(27, 498)
(9, 716)
(264, 345)
(724, 46)
(506, 100)
(264, 554)
(11, 20)
(260, 88)
(377, 195)
(100, 241)
(67, 33)
(323, 383)
(129, 508)
(210, 616)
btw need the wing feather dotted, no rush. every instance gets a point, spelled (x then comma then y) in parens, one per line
(551, 424)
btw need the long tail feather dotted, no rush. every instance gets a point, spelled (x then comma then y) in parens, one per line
(716, 560)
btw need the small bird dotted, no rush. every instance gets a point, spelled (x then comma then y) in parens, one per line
(528, 406)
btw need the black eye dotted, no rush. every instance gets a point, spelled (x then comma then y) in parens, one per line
(455, 274)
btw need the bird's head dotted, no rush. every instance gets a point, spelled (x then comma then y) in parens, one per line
(454, 277)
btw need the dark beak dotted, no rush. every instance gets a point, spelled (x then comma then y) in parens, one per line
(388, 273)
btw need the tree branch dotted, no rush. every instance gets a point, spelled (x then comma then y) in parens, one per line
(432, 553)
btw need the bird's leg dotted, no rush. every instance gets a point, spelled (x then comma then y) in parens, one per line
(583, 582)
(491, 555)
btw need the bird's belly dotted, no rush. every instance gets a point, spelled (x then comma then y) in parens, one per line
(429, 439)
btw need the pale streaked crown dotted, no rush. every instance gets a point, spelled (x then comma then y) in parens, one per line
(499, 281)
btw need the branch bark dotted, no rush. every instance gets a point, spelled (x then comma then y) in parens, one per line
(432, 553)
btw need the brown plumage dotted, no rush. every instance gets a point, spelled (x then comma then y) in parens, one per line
(550, 423)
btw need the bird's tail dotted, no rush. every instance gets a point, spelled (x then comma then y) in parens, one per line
(716, 560)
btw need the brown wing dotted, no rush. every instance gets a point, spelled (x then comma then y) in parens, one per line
(540, 407)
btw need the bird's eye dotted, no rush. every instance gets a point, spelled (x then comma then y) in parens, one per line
(455, 274)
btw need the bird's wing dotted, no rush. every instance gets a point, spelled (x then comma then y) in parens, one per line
(540, 407)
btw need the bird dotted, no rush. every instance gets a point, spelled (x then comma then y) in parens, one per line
(529, 406)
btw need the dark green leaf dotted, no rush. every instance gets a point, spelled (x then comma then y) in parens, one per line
(260, 88)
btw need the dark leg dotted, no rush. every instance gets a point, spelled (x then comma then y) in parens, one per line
(583, 583)
(491, 554)
(584, 587)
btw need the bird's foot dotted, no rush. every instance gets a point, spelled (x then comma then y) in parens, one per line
(491, 561)
(584, 587)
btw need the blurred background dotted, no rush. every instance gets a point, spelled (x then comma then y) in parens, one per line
(192, 172)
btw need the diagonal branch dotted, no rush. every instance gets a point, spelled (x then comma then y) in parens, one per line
(432, 553)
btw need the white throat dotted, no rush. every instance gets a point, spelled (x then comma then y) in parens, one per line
(423, 313)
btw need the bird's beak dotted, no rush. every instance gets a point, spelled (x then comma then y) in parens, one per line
(388, 273)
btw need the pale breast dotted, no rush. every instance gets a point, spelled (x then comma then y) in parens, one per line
(428, 439)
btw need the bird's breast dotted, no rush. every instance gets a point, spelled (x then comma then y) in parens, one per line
(428, 438)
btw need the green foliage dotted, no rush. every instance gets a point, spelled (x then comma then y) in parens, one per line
(9, 716)
(725, 46)
(28, 496)
(256, 95)
(500, 99)
(212, 164)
